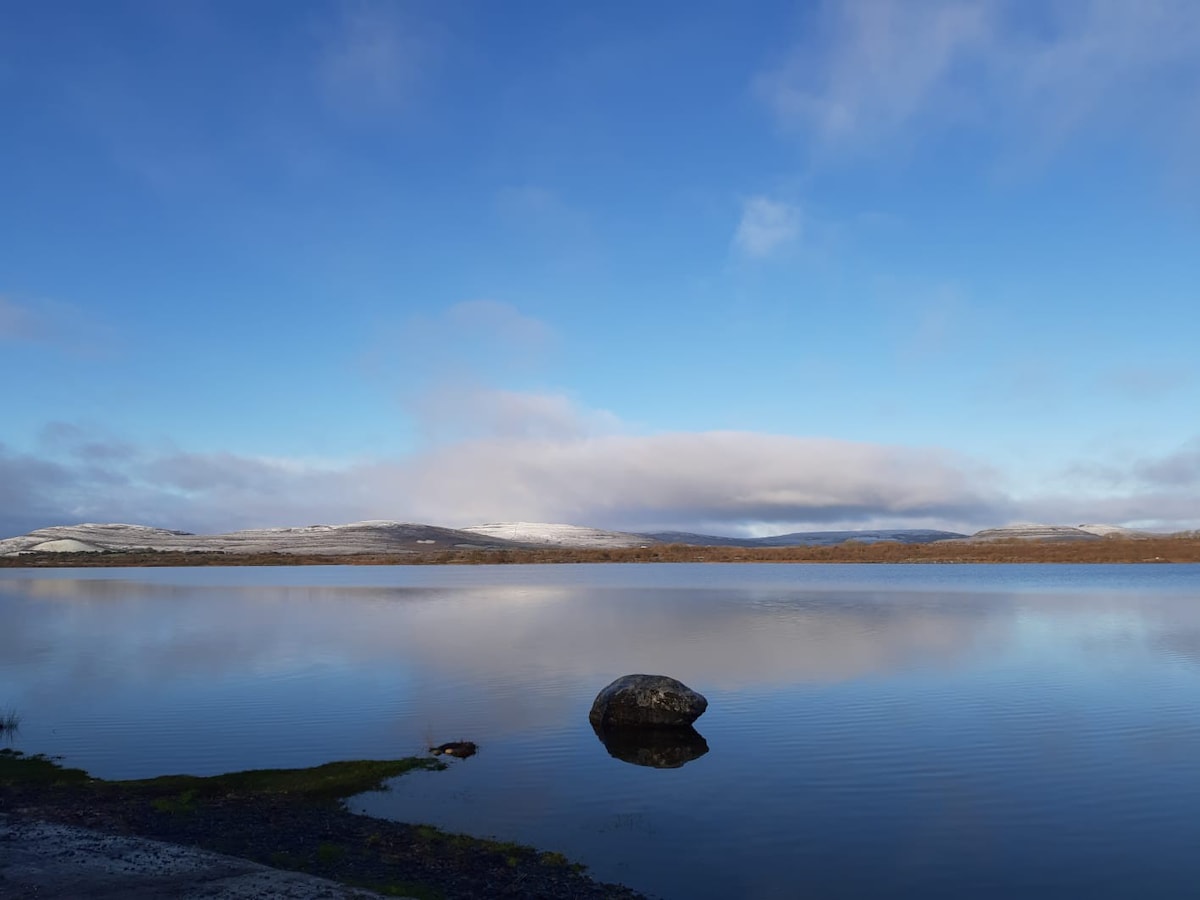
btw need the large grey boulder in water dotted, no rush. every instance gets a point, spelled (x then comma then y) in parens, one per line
(646, 700)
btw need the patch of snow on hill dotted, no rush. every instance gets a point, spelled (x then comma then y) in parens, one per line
(1119, 530)
(551, 535)
(67, 545)
(358, 537)
(1033, 532)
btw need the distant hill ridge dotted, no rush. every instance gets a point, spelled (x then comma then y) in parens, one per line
(382, 536)
(808, 538)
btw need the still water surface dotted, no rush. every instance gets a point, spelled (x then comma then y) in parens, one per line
(881, 731)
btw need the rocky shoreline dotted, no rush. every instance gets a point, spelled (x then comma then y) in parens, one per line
(296, 820)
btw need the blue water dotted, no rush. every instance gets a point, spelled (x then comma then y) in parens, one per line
(882, 731)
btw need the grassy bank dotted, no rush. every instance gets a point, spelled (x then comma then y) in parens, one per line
(296, 819)
(1105, 550)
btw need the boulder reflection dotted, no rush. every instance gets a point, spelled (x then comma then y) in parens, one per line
(658, 748)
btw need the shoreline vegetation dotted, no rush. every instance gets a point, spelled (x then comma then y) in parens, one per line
(1183, 549)
(296, 819)
(10, 723)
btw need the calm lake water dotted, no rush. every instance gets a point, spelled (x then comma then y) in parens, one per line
(873, 731)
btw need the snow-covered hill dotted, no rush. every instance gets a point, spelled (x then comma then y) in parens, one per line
(1034, 532)
(401, 537)
(1117, 530)
(358, 537)
(548, 535)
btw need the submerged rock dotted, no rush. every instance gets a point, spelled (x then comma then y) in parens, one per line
(658, 748)
(646, 701)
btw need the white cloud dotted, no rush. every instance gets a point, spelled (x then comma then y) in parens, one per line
(878, 64)
(767, 227)
(873, 71)
(543, 460)
(681, 478)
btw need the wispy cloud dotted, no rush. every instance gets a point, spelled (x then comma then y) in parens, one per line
(1144, 382)
(473, 341)
(929, 320)
(871, 66)
(767, 227)
(870, 72)
(57, 325)
(531, 203)
(279, 106)
(373, 58)
(1157, 491)
(504, 322)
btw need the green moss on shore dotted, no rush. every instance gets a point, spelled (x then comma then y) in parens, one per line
(18, 769)
(296, 819)
(321, 784)
(328, 783)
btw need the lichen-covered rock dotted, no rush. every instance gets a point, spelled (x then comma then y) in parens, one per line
(646, 700)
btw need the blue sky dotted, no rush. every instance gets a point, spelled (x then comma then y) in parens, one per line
(634, 265)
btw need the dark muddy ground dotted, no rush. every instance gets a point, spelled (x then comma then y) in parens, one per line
(295, 820)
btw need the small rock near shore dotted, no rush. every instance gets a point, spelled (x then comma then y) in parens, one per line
(646, 700)
(460, 749)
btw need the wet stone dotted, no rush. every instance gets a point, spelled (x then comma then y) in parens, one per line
(646, 701)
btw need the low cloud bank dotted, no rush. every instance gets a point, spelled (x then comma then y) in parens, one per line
(718, 481)
(725, 480)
